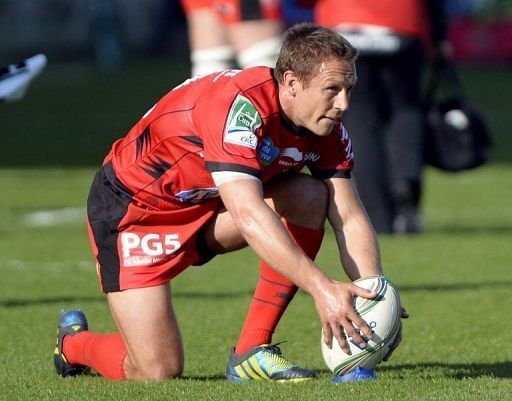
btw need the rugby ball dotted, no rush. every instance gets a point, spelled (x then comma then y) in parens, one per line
(382, 315)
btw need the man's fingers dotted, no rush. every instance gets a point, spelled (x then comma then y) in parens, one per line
(363, 292)
(403, 313)
(362, 326)
(342, 340)
(327, 335)
(338, 334)
(354, 333)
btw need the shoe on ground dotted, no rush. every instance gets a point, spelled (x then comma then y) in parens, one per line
(71, 322)
(16, 78)
(409, 222)
(265, 362)
(357, 375)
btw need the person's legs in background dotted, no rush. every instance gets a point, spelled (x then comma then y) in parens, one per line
(210, 49)
(256, 42)
(402, 79)
(231, 34)
(255, 31)
(365, 125)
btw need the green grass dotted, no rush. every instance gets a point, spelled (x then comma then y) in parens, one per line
(455, 281)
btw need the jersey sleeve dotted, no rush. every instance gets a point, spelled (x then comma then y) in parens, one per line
(229, 133)
(337, 156)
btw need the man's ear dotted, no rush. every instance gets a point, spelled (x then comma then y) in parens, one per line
(290, 82)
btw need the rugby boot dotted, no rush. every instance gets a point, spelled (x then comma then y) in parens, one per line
(265, 362)
(71, 322)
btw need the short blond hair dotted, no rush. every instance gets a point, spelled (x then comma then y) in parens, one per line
(306, 46)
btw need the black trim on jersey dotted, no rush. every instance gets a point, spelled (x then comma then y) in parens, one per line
(324, 174)
(203, 250)
(105, 209)
(156, 168)
(194, 139)
(250, 10)
(143, 143)
(218, 166)
(117, 186)
(294, 129)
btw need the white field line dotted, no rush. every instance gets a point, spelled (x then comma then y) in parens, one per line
(57, 264)
(46, 218)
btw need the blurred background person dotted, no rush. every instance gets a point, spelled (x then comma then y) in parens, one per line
(233, 33)
(105, 33)
(385, 121)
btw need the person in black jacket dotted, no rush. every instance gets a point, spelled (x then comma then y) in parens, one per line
(385, 121)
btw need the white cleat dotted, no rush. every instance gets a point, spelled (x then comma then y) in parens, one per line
(16, 78)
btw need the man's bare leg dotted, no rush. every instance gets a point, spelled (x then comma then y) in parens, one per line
(147, 323)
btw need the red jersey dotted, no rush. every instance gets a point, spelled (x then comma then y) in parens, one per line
(405, 17)
(227, 121)
(235, 11)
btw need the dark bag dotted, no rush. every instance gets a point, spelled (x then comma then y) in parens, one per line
(457, 136)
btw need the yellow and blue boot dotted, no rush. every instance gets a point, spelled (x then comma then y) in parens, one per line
(265, 362)
(71, 322)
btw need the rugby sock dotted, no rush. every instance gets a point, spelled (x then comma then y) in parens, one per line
(104, 353)
(274, 292)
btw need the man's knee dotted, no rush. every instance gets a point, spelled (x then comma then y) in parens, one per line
(301, 199)
(156, 370)
(314, 195)
(161, 373)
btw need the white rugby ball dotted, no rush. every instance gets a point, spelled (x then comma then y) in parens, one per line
(382, 315)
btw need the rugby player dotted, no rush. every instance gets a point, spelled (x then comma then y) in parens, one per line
(214, 166)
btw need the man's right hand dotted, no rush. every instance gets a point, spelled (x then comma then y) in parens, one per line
(337, 315)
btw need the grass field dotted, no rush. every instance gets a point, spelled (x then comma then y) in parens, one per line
(455, 281)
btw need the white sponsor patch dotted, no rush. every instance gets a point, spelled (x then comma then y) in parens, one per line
(147, 249)
(292, 153)
(242, 138)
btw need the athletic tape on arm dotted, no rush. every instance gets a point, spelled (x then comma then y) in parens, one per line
(221, 177)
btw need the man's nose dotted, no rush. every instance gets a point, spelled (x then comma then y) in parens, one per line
(341, 101)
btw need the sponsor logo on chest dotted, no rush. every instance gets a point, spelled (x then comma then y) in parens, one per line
(287, 157)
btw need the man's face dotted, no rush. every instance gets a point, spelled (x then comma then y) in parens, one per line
(320, 104)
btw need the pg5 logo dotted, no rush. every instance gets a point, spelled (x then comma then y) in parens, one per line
(147, 249)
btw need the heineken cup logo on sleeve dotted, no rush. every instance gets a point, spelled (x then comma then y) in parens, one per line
(243, 120)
